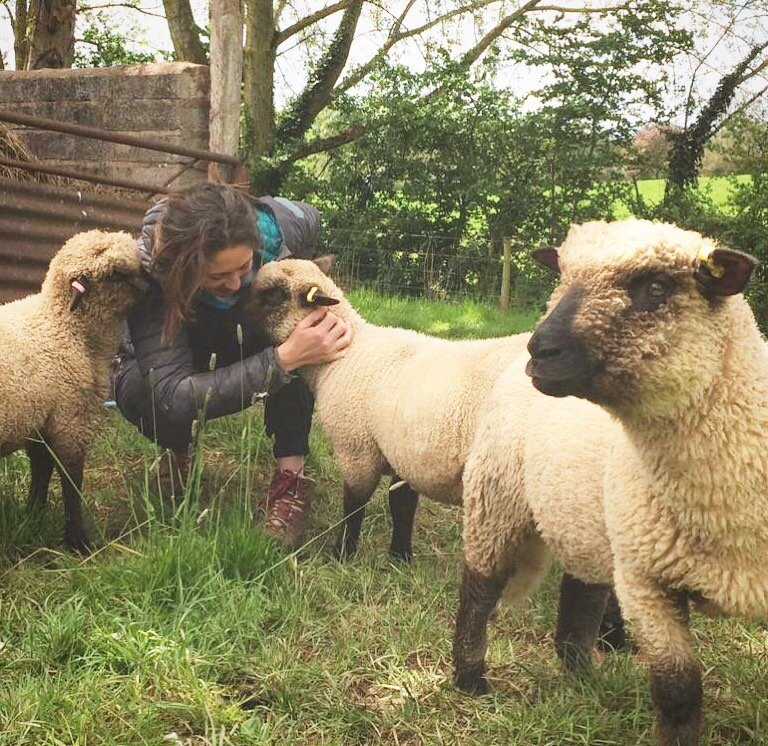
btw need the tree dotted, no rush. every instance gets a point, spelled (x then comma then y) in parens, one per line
(101, 45)
(725, 28)
(275, 140)
(456, 159)
(43, 32)
(687, 145)
(185, 33)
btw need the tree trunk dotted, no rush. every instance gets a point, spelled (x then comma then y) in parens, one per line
(20, 35)
(226, 82)
(184, 32)
(688, 145)
(53, 34)
(259, 66)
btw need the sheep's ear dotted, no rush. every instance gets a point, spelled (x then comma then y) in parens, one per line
(79, 288)
(546, 257)
(722, 271)
(312, 298)
(325, 263)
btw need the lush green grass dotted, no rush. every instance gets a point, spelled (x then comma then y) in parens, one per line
(189, 627)
(718, 188)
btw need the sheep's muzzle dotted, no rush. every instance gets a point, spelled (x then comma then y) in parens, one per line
(560, 364)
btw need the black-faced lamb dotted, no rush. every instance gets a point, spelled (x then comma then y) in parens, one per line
(400, 402)
(669, 497)
(57, 346)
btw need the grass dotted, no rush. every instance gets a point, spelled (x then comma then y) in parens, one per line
(188, 627)
(718, 188)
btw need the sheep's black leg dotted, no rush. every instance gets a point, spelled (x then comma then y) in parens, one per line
(677, 695)
(613, 635)
(354, 512)
(578, 621)
(75, 536)
(402, 507)
(41, 468)
(478, 598)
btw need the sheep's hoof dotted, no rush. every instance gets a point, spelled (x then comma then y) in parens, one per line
(575, 658)
(78, 543)
(401, 554)
(344, 551)
(471, 679)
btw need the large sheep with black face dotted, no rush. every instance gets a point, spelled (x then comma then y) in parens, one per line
(648, 322)
(57, 346)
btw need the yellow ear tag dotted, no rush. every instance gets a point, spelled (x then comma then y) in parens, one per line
(705, 257)
(312, 293)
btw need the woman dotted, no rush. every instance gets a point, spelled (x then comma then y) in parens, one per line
(201, 248)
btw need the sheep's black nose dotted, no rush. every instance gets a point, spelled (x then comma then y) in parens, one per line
(542, 348)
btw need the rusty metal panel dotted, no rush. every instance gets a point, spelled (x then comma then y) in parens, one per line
(36, 219)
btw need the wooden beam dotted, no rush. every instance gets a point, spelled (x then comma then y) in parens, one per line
(226, 83)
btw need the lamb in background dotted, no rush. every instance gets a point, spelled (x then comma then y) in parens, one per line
(400, 402)
(57, 346)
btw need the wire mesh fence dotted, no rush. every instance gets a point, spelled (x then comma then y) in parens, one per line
(430, 266)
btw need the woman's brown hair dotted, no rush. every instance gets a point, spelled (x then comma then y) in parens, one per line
(197, 224)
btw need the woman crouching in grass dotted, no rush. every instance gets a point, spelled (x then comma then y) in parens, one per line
(201, 248)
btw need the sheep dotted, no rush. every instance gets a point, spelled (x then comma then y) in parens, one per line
(57, 346)
(384, 408)
(647, 323)
(400, 402)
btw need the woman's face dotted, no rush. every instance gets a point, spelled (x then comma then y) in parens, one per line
(224, 273)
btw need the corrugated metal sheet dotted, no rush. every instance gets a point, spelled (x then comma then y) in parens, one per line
(36, 219)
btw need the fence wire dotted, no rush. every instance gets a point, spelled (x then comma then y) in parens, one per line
(426, 265)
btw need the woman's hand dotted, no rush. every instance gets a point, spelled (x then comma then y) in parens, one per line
(321, 337)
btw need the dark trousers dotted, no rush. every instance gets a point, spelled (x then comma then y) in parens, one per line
(287, 414)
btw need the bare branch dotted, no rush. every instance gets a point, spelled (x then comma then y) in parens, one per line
(310, 19)
(739, 109)
(279, 8)
(82, 8)
(317, 95)
(324, 144)
(7, 5)
(606, 9)
(477, 51)
(355, 77)
(397, 25)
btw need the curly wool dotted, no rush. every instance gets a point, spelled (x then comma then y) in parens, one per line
(664, 487)
(400, 401)
(54, 366)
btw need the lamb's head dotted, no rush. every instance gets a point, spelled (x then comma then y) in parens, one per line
(640, 316)
(95, 276)
(284, 292)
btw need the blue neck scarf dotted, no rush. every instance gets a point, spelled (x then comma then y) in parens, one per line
(225, 302)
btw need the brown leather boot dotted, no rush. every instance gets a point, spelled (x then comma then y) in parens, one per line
(287, 506)
(173, 472)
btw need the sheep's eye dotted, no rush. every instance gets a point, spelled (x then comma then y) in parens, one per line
(117, 276)
(649, 292)
(273, 296)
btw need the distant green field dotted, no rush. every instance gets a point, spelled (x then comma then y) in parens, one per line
(719, 188)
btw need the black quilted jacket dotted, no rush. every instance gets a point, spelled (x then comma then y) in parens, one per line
(180, 373)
